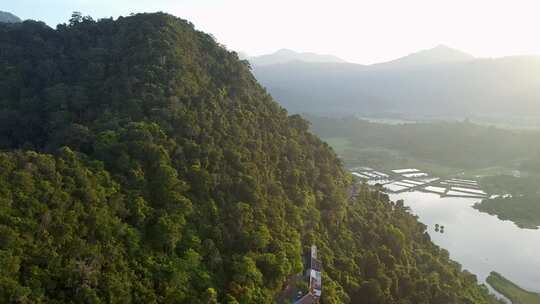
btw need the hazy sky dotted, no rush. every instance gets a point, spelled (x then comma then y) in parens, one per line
(357, 31)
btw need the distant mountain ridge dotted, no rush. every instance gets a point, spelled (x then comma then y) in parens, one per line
(286, 56)
(8, 17)
(437, 55)
(438, 81)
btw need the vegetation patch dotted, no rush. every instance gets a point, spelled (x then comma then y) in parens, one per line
(517, 199)
(524, 211)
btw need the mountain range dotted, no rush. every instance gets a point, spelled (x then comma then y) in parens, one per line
(438, 81)
(287, 56)
(440, 54)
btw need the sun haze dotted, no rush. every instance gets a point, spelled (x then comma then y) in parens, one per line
(357, 31)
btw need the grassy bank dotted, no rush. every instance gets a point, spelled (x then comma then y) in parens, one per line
(510, 290)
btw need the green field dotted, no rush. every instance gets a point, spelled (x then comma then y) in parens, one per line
(339, 144)
(445, 149)
(510, 290)
(489, 171)
(387, 159)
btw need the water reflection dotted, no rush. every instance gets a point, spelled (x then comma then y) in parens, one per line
(480, 242)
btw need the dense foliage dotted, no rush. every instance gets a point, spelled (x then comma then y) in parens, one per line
(143, 163)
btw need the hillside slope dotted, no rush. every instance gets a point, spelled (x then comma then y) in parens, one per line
(143, 163)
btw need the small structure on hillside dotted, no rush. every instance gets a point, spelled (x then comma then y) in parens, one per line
(315, 279)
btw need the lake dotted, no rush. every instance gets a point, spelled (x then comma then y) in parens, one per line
(480, 242)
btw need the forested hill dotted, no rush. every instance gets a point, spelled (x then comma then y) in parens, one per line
(142, 163)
